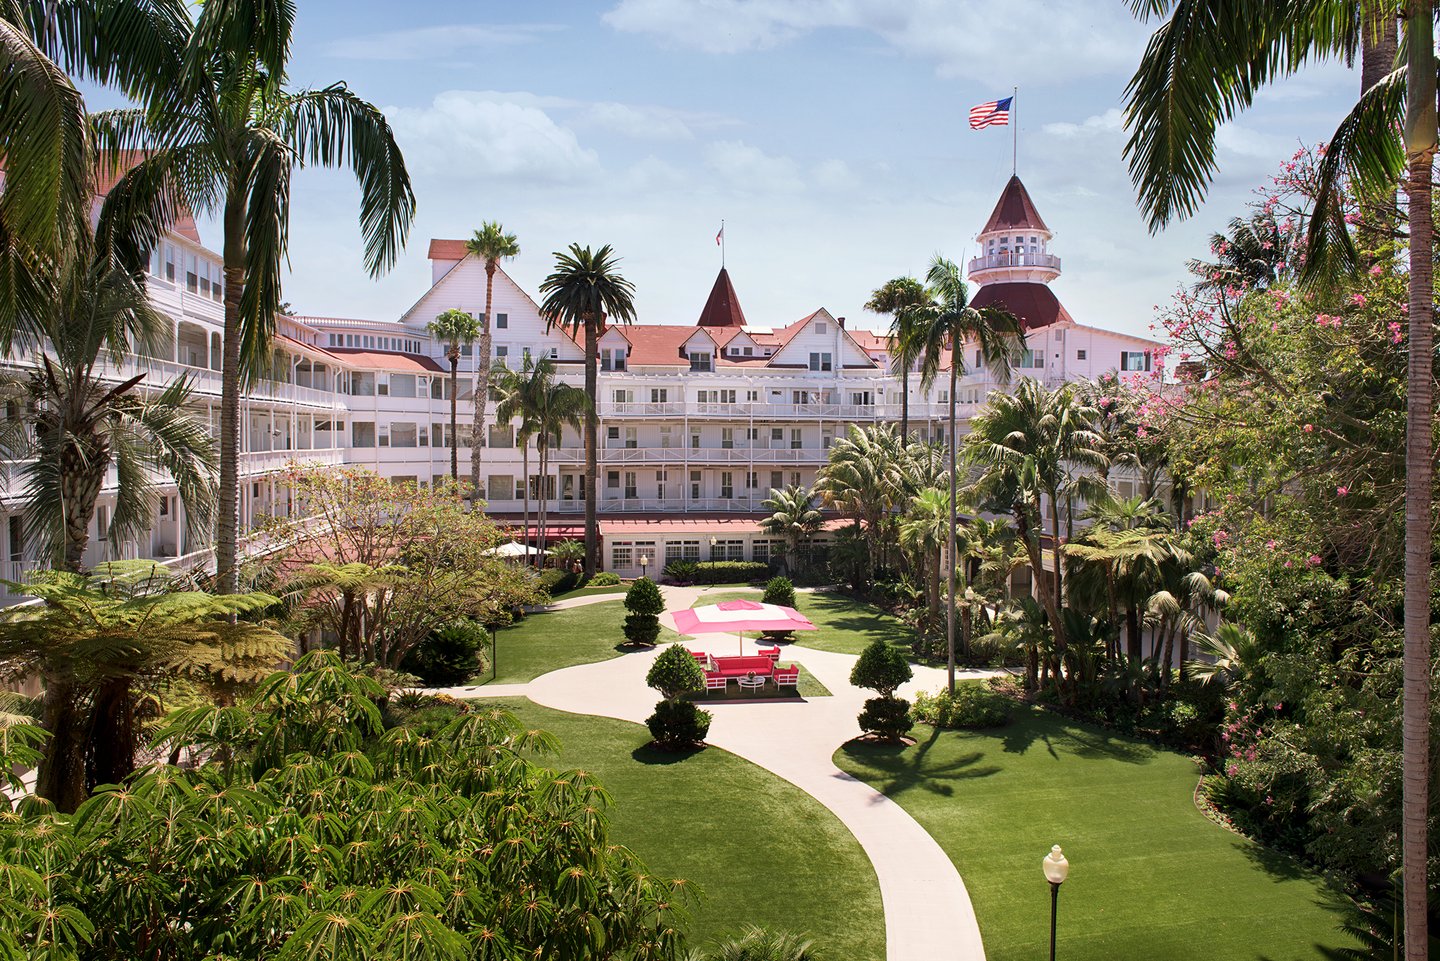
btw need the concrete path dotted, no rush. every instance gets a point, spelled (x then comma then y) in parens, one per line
(928, 915)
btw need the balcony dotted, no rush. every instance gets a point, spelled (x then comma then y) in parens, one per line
(747, 411)
(205, 382)
(269, 461)
(1017, 258)
(748, 504)
(694, 455)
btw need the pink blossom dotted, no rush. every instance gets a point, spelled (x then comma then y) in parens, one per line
(1309, 428)
(1404, 308)
(1289, 564)
(1376, 270)
(1232, 769)
(1341, 491)
(1272, 544)
(1395, 329)
(1220, 537)
(1358, 300)
(1313, 560)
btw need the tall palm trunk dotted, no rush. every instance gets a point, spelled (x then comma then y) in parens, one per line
(541, 509)
(482, 380)
(905, 404)
(592, 433)
(525, 485)
(950, 530)
(227, 512)
(454, 353)
(1420, 136)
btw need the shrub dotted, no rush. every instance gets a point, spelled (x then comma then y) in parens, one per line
(452, 654)
(567, 553)
(881, 668)
(675, 672)
(730, 572)
(555, 581)
(971, 706)
(678, 723)
(887, 717)
(680, 572)
(642, 628)
(644, 597)
(779, 590)
(604, 579)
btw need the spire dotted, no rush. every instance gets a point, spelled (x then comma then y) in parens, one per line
(1014, 210)
(723, 307)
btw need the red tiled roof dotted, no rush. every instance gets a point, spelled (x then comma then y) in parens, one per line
(447, 249)
(657, 345)
(387, 360)
(1034, 303)
(106, 177)
(1015, 209)
(723, 307)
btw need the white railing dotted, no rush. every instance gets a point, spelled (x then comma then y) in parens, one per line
(639, 505)
(206, 382)
(270, 461)
(1018, 258)
(692, 455)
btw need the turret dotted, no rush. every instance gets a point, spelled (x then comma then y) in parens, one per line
(1015, 242)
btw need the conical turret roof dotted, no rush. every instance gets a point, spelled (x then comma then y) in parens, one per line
(723, 307)
(1015, 210)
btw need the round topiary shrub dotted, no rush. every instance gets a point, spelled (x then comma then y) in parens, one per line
(779, 590)
(604, 579)
(678, 724)
(886, 717)
(644, 602)
(675, 672)
(642, 629)
(881, 668)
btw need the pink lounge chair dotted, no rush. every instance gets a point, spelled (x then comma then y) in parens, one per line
(715, 682)
(771, 652)
(787, 677)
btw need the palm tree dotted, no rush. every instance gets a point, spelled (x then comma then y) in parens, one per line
(224, 125)
(1031, 446)
(516, 393)
(583, 294)
(944, 324)
(1199, 71)
(892, 298)
(454, 328)
(491, 244)
(556, 406)
(793, 518)
(861, 479)
(44, 130)
(924, 530)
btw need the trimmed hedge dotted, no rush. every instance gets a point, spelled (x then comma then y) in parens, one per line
(887, 717)
(555, 581)
(730, 572)
(971, 706)
(604, 579)
(677, 724)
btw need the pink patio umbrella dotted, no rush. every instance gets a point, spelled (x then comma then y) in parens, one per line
(741, 616)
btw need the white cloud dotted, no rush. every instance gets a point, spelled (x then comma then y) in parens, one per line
(964, 38)
(749, 169)
(471, 134)
(833, 175)
(438, 43)
(640, 123)
(1110, 122)
(1247, 142)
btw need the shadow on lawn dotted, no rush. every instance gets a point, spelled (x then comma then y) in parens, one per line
(903, 767)
(1062, 734)
(650, 754)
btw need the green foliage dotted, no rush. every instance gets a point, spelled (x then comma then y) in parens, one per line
(642, 628)
(554, 581)
(887, 717)
(971, 706)
(728, 572)
(881, 668)
(757, 944)
(312, 833)
(644, 597)
(602, 579)
(675, 672)
(678, 723)
(681, 572)
(779, 590)
(569, 552)
(451, 655)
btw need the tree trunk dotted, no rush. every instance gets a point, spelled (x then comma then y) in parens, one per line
(454, 411)
(112, 734)
(948, 565)
(227, 531)
(482, 383)
(1378, 45)
(541, 510)
(905, 404)
(592, 431)
(1420, 136)
(1133, 649)
(61, 776)
(525, 483)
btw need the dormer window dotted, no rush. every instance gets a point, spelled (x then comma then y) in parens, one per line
(699, 360)
(820, 327)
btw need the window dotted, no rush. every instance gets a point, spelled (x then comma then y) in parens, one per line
(752, 434)
(666, 438)
(659, 395)
(821, 328)
(752, 480)
(164, 507)
(1079, 355)
(695, 440)
(1032, 358)
(632, 438)
(1135, 360)
(682, 551)
(752, 397)
(612, 433)
(695, 485)
(727, 484)
(777, 479)
(777, 437)
(502, 355)
(402, 385)
(761, 551)
(362, 433)
(660, 478)
(500, 436)
(612, 480)
(102, 523)
(192, 276)
(700, 360)
(820, 361)
(749, 351)
(794, 478)
(631, 490)
(382, 435)
(404, 435)
(501, 486)
(204, 278)
(827, 439)
(728, 550)
(624, 396)
(441, 433)
(502, 321)
(170, 263)
(795, 439)
(612, 359)
(862, 398)
(621, 554)
(17, 539)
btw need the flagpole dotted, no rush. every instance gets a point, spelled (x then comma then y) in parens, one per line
(722, 243)
(1015, 129)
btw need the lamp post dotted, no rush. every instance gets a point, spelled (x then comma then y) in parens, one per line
(714, 542)
(644, 564)
(1057, 869)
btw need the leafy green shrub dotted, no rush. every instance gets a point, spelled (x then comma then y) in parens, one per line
(642, 628)
(567, 553)
(730, 572)
(644, 602)
(887, 717)
(757, 944)
(675, 672)
(604, 579)
(451, 655)
(680, 572)
(971, 706)
(555, 581)
(678, 723)
(881, 668)
(779, 590)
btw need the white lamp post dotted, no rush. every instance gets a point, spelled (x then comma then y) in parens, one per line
(644, 564)
(1057, 869)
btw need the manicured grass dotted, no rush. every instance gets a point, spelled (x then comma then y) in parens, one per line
(590, 591)
(846, 625)
(761, 850)
(1150, 876)
(554, 639)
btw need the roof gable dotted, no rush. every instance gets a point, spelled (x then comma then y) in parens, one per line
(1015, 210)
(722, 309)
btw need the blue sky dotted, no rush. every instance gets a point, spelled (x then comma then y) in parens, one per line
(829, 134)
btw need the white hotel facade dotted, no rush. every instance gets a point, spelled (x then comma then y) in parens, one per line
(698, 422)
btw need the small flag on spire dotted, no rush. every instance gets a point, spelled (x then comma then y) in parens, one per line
(721, 235)
(996, 113)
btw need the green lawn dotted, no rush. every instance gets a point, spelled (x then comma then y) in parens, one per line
(549, 641)
(846, 626)
(1150, 876)
(762, 851)
(590, 591)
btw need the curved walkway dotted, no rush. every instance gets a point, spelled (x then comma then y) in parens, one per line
(928, 915)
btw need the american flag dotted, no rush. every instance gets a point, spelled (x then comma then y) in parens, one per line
(996, 113)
